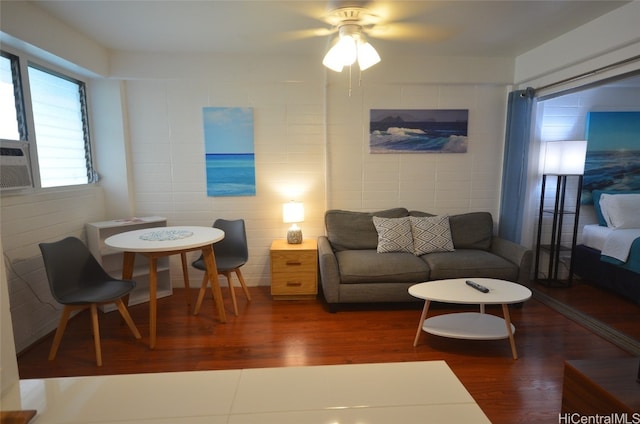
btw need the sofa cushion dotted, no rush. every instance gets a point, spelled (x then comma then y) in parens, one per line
(472, 230)
(469, 263)
(431, 234)
(355, 230)
(420, 213)
(394, 234)
(368, 266)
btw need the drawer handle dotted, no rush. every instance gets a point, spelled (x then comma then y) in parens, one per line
(294, 263)
(294, 284)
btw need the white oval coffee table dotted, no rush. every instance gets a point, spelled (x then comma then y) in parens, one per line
(470, 325)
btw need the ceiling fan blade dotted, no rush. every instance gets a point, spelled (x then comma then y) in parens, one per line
(410, 32)
(395, 11)
(309, 10)
(303, 34)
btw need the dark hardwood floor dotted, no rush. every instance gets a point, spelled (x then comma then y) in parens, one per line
(616, 311)
(294, 333)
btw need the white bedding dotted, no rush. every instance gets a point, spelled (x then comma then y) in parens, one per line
(594, 235)
(615, 243)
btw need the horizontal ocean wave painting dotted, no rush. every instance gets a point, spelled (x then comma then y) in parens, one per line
(229, 155)
(613, 153)
(418, 130)
(231, 174)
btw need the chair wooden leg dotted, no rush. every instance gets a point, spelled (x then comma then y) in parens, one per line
(96, 333)
(227, 274)
(122, 308)
(62, 325)
(205, 283)
(185, 277)
(243, 284)
(203, 289)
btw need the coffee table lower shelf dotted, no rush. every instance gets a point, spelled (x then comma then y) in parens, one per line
(468, 325)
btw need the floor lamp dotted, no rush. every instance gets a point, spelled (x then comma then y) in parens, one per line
(563, 159)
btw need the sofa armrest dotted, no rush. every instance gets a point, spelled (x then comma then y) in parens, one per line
(329, 271)
(515, 253)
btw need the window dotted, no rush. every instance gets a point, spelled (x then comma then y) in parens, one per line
(55, 112)
(60, 128)
(10, 97)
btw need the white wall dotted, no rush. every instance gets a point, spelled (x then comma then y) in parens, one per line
(8, 364)
(167, 143)
(110, 139)
(311, 139)
(437, 183)
(27, 220)
(29, 28)
(609, 39)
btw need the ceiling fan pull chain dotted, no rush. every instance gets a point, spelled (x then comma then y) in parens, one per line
(350, 80)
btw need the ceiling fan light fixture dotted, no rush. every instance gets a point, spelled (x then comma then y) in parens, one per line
(351, 46)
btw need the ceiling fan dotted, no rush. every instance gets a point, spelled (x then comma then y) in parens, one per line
(351, 44)
(355, 22)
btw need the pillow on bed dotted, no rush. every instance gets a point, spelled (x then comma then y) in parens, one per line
(621, 210)
(596, 194)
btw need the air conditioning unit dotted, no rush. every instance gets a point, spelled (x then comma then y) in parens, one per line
(15, 165)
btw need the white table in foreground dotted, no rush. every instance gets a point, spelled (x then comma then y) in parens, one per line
(470, 325)
(356, 393)
(164, 241)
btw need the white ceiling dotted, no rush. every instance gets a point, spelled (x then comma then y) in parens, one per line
(439, 28)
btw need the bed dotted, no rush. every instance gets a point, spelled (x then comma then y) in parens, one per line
(609, 254)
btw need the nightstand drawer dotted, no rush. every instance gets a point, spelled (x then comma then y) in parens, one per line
(294, 270)
(293, 283)
(297, 261)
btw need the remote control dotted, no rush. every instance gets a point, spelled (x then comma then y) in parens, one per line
(477, 286)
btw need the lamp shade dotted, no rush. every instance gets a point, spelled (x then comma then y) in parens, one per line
(343, 53)
(292, 212)
(565, 157)
(367, 56)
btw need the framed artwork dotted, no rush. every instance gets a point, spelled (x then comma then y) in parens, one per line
(613, 153)
(418, 130)
(229, 152)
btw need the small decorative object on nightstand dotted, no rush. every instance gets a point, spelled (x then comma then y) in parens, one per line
(294, 270)
(292, 213)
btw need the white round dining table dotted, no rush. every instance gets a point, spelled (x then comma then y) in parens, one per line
(158, 242)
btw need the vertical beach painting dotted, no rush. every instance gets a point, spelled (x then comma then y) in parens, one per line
(613, 153)
(229, 153)
(418, 130)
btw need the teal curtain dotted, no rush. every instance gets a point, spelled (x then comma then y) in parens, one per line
(514, 166)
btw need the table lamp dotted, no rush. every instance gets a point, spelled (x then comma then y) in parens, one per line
(292, 213)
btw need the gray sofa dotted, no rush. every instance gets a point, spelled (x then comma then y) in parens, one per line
(352, 271)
